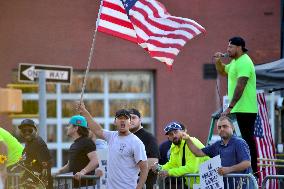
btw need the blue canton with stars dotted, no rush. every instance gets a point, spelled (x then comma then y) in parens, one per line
(258, 130)
(128, 4)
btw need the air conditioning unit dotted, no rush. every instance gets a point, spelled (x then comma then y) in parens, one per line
(10, 100)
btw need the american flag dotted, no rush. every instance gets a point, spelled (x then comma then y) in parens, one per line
(264, 142)
(148, 23)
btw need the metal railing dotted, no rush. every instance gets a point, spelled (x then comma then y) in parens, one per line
(231, 181)
(13, 181)
(66, 181)
(272, 177)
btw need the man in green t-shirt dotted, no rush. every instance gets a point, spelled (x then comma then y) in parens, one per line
(10, 152)
(241, 90)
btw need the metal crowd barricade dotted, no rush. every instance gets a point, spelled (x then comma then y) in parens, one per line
(237, 180)
(272, 177)
(174, 182)
(13, 181)
(66, 181)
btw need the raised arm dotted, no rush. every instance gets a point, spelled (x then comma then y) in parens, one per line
(196, 151)
(220, 67)
(94, 126)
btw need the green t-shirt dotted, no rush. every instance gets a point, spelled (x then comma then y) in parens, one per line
(242, 67)
(15, 148)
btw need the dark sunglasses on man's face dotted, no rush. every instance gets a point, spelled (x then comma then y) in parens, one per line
(27, 130)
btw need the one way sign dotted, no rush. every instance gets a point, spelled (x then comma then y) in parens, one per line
(53, 74)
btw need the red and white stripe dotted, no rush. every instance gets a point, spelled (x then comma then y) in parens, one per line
(114, 21)
(265, 145)
(150, 25)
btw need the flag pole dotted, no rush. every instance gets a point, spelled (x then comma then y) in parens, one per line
(91, 55)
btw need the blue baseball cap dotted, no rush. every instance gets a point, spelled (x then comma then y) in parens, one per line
(79, 120)
(172, 126)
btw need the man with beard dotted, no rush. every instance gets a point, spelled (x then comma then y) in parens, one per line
(182, 160)
(150, 142)
(127, 155)
(241, 91)
(36, 156)
(234, 151)
(165, 147)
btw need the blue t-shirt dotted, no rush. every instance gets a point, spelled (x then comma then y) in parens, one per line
(165, 152)
(236, 151)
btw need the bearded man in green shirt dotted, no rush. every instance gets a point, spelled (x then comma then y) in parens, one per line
(241, 91)
(182, 160)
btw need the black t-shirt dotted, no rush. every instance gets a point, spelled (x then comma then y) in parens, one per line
(164, 152)
(152, 151)
(77, 155)
(36, 152)
(150, 142)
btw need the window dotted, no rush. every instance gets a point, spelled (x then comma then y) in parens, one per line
(105, 93)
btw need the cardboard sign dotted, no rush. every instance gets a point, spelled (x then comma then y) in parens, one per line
(102, 155)
(209, 177)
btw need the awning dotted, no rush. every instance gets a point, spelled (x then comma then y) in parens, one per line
(270, 76)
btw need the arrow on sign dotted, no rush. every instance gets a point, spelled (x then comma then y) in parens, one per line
(30, 73)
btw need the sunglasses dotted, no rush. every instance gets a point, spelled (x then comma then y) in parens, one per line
(27, 130)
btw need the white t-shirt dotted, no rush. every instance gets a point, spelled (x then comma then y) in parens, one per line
(123, 155)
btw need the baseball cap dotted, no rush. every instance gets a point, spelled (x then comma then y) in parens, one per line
(27, 122)
(238, 41)
(78, 120)
(172, 126)
(122, 112)
(135, 112)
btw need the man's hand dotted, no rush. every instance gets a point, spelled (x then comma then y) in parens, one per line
(155, 167)
(226, 112)
(224, 170)
(163, 173)
(185, 136)
(78, 175)
(218, 56)
(80, 107)
(99, 172)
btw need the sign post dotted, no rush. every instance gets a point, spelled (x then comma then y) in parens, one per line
(42, 106)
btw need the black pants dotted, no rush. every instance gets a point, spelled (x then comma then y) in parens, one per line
(246, 123)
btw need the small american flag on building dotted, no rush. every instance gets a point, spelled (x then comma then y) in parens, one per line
(148, 23)
(264, 142)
